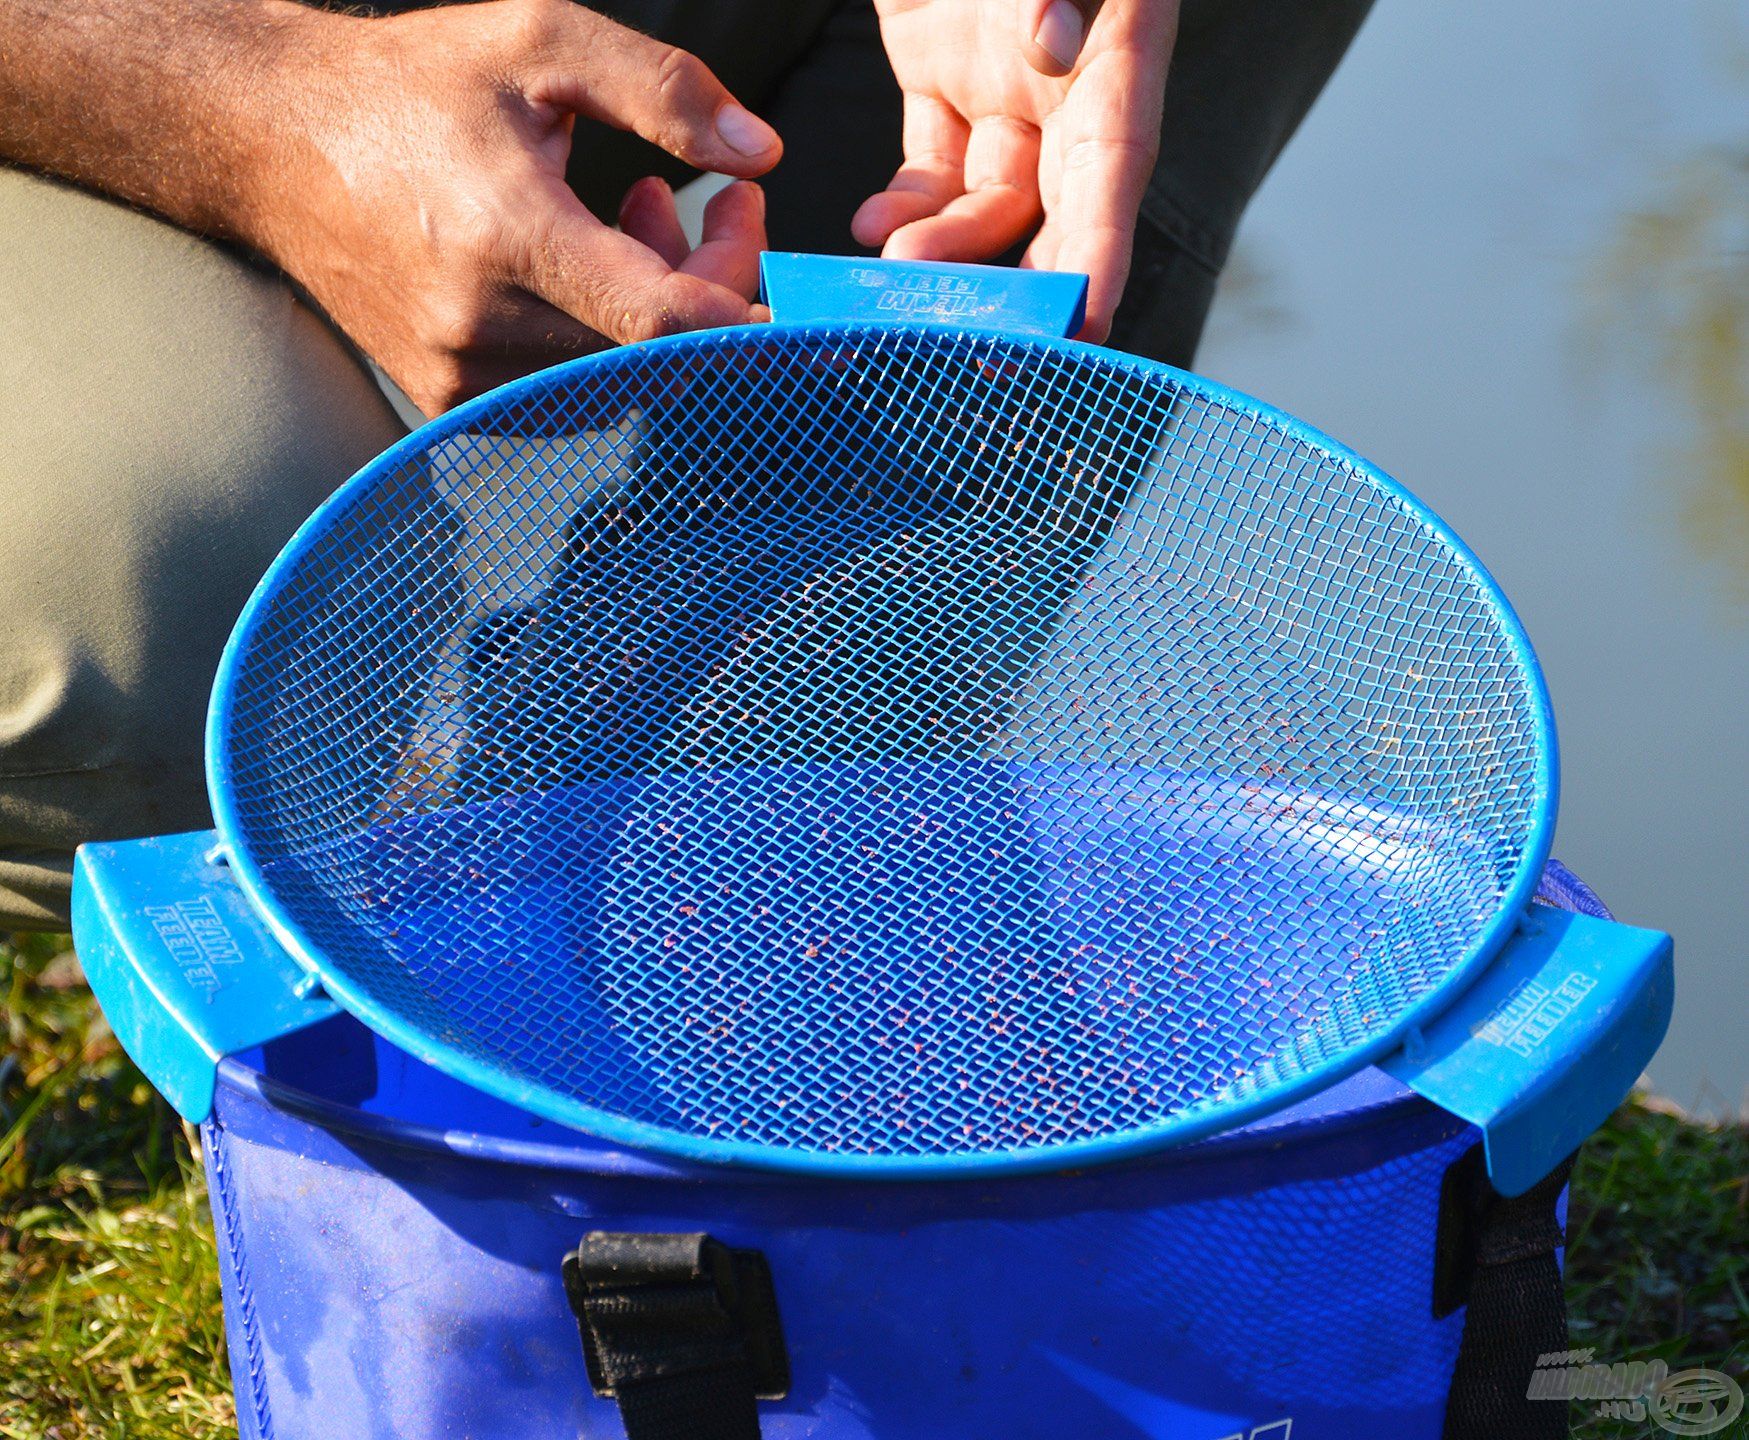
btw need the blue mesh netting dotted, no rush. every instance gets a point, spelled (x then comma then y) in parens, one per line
(880, 744)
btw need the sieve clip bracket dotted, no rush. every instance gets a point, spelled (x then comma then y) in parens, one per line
(840, 290)
(1542, 1048)
(186, 970)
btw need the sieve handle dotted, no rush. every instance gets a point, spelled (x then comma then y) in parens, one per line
(1548, 1042)
(838, 290)
(185, 970)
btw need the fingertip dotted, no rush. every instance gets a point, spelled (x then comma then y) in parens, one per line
(1101, 311)
(885, 215)
(1095, 330)
(640, 196)
(865, 226)
(1103, 256)
(752, 189)
(1054, 38)
(734, 236)
(1041, 252)
(912, 237)
(649, 215)
(1042, 61)
(739, 202)
(880, 216)
(753, 146)
(908, 242)
(701, 304)
(1102, 302)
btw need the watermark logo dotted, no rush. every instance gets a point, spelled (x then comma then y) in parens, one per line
(1274, 1430)
(1697, 1402)
(1689, 1402)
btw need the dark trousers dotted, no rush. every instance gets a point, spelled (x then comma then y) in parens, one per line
(1244, 74)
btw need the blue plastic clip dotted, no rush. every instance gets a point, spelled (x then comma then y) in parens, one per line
(182, 964)
(1548, 1042)
(836, 289)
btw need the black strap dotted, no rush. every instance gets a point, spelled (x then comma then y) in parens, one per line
(1496, 1256)
(681, 1330)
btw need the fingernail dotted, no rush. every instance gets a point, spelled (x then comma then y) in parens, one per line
(745, 132)
(1061, 32)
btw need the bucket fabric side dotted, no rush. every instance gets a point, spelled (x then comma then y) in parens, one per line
(401, 1290)
(391, 1244)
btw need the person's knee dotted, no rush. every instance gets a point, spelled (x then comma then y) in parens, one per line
(174, 414)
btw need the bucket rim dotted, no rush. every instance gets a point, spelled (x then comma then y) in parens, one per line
(594, 1155)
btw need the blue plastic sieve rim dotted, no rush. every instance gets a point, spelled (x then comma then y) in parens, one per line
(1196, 1123)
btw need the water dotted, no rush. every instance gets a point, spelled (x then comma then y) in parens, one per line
(1508, 260)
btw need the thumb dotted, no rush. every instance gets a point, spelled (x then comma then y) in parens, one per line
(582, 62)
(1052, 32)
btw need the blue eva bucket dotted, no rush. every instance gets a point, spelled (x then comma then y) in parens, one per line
(391, 1270)
(390, 1243)
(871, 791)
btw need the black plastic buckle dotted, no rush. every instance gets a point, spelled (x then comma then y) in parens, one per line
(652, 1306)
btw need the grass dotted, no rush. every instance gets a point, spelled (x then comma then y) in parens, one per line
(1658, 1259)
(110, 1324)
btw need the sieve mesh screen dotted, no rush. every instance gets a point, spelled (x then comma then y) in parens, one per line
(881, 743)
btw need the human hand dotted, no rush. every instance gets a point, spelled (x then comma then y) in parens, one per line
(1022, 110)
(417, 189)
